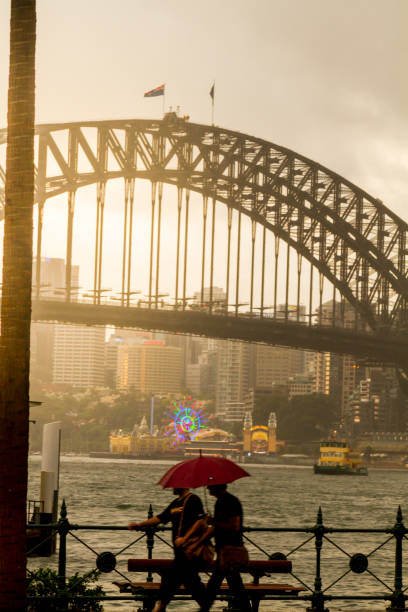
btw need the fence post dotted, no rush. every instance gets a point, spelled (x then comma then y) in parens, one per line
(398, 598)
(63, 529)
(150, 542)
(318, 596)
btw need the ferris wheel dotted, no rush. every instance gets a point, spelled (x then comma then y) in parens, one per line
(188, 420)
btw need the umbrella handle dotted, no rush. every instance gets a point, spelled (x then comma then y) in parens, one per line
(206, 501)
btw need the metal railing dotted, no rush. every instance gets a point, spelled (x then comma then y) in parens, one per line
(316, 591)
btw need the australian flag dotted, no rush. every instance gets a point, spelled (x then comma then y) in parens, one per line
(159, 91)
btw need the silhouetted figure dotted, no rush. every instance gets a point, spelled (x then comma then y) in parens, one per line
(227, 530)
(183, 512)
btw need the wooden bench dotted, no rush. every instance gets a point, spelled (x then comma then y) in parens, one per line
(256, 590)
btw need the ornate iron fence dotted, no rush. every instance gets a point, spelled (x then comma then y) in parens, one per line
(318, 575)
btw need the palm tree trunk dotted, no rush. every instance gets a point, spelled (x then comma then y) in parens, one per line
(16, 305)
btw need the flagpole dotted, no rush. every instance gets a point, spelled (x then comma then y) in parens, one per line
(212, 94)
(164, 95)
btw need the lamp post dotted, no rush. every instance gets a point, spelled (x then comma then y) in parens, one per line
(152, 414)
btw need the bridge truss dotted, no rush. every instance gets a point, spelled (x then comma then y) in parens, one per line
(338, 233)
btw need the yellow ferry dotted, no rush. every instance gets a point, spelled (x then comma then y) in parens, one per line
(337, 458)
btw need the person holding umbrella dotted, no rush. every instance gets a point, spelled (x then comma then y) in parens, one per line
(182, 512)
(227, 531)
(226, 525)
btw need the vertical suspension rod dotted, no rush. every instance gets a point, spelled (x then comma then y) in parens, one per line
(251, 303)
(275, 289)
(263, 271)
(95, 288)
(159, 213)
(102, 153)
(73, 164)
(321, 286)
(179, 205)
(299, 274)
(238, 262)
(311, 292)
(152, 242)
(186, 247)
(125, 244)
(42, 173)
(131, 202)
(334, 290)
(70, 229)
(287, 283)
(205, 209)
(228, 258)
(40, 216)
(212, 255)
(131, 157)
(101, 197)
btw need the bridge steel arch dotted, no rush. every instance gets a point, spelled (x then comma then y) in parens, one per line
(350, 237)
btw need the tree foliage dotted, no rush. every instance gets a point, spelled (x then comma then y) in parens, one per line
(307, 417)
(47, 583)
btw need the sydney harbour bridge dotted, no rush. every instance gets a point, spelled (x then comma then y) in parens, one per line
(306, 259)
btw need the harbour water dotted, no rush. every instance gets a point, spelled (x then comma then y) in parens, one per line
(114, 492)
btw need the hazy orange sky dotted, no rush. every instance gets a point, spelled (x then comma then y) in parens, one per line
(326, 78)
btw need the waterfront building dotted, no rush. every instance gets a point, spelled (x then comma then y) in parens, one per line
(260, 439)
(150, 367)
(139, 441)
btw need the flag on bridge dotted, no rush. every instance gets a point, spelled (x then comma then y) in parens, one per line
(212, 95)
(158, 91)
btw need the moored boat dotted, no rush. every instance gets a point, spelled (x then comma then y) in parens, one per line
(337, 458)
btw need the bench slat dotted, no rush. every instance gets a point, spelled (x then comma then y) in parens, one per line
(258, 589)
(254, 567)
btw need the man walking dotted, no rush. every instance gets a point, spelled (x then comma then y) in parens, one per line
(227, 530)
(183, 512)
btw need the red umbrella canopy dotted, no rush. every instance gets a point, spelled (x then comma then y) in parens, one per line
(200, 472)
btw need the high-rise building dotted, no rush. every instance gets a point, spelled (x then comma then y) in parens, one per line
(214, 295)
(322, 373)
(120, 338)
(150, 367)
(275, 365)
(78, 356)
(52, 282)
(233, 375)
(52, 276)
(193, 378)
(208, 373)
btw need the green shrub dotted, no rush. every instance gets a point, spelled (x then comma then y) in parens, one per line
(45, 583)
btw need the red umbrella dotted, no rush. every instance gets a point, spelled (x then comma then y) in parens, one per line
(200, 472)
